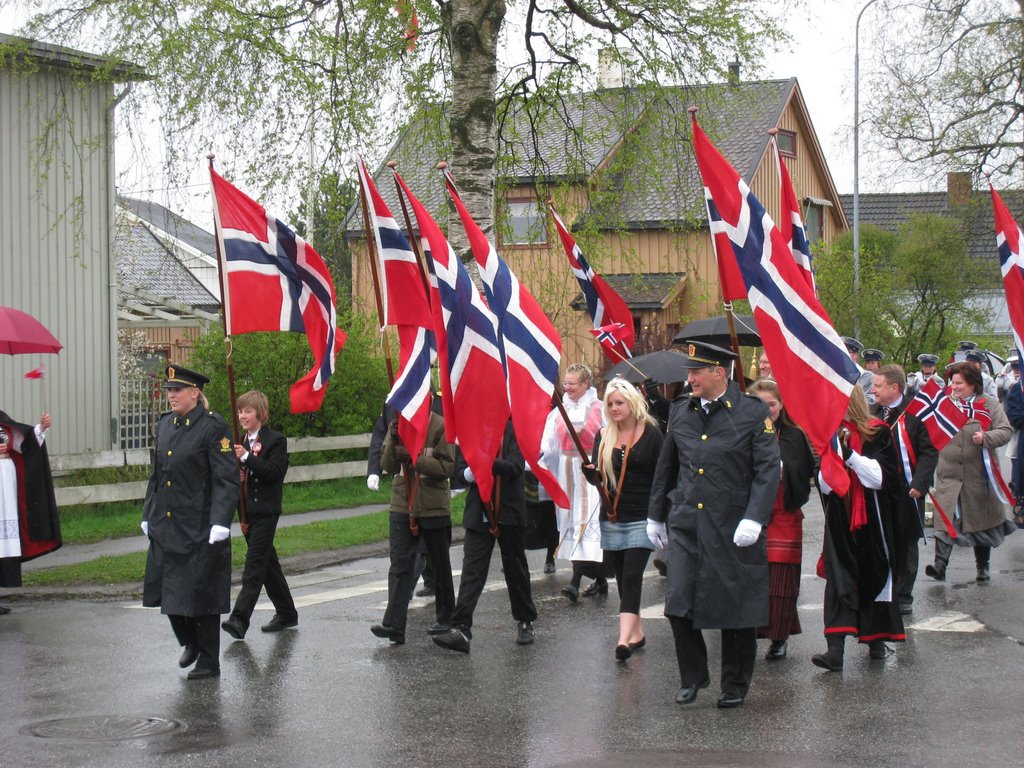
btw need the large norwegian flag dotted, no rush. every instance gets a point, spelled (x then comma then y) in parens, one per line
(604, 305)
(792, 224)
(1008, 240)
(530, 346)
(939, 414)
(473, 393)
(811, 365)
(405, 305)
(275, 281)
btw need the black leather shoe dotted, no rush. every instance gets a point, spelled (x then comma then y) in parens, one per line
(937, 571)
(623, 652)
(453, 640)
(524, 633)
(638, 644)
(202, 674)
(729, 701)
(877, 649)
(688, 694)
(234, 627)
(427, 591)
(571, 591)
(776, 651)
(549, 566)
(276, 624)
(982, 573)
(599, 587)
(396, 636)
(827, 661)
(188, 656)
(438, 629)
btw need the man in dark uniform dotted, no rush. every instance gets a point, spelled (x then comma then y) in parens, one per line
(890, 381)
(917, 380)
(263, 454)
(508, 506)
(192, 495)
(716, 481)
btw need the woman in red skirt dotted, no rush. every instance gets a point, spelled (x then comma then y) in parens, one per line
(785, 529)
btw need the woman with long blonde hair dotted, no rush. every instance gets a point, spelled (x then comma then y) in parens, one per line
(625, 455)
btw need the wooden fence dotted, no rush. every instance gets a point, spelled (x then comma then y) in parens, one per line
(96, 494)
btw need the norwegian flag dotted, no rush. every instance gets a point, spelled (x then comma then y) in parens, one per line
(35, 373)
(811, 366)
(610, 338)
(604, 305)
(405, 305)
(939, 414)
(1008, 240)
(275, 281)
(792, 224)
(976, 408)
(472, 374)
(530, 346)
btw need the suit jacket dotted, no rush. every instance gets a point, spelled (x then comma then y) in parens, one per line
(265, 469)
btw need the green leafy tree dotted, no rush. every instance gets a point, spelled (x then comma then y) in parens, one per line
(272, 362)
(914, 287)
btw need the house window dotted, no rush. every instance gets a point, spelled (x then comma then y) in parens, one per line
(526, 223)
(814, 222)
(787, 143)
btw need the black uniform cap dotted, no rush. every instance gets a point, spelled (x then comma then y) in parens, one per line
(179, 378)
(927, 359)
(700, 354)
(872, 354)
(965, 345)
(852, 344)
(975, 356)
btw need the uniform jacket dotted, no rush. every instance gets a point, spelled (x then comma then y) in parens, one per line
(961, 473)
(433, 467)
(512, 499)
(265, 471)
(194, 485)
(715, 470)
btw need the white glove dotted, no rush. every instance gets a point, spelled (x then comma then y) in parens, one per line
(747, 533)
(219, 533)
(657, 533)
(468, 474)
(145, 528)
(373, 482)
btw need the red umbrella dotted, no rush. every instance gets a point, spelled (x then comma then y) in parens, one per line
(22, 334)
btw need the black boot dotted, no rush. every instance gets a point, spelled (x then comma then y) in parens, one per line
(981, 558)
(832, 660)
(942, 553)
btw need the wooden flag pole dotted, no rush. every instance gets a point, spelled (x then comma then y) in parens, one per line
(414, 243)
(371, 251)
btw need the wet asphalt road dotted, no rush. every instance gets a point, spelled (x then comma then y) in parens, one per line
(330, 694)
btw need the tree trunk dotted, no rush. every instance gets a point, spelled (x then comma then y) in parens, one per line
(473, 26)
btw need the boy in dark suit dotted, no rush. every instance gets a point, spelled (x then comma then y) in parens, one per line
(264, 459)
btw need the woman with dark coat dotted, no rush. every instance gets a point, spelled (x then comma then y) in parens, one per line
(785, 529)
(859, 541)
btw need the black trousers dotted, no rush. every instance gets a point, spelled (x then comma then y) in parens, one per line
(403, 569)
(476, 562)
(263, 569)
(739, 650)
(628, 566)
(588, 568)
(202, 632)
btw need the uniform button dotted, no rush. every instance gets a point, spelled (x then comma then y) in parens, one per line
(699, 506)
(170, 452)
(703, 437)
(168, 514)
(168, 483)
(700, 471)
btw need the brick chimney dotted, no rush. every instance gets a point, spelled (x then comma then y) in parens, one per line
(958, 189)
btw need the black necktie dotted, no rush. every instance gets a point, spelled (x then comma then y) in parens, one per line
(886, 410)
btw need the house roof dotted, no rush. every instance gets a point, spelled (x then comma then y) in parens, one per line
(171, 224)
(890, 211)
(654, 290)
(635, 143)
(68, 58)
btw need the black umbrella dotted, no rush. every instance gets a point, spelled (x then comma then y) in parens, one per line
(715, 330)
(664, 367)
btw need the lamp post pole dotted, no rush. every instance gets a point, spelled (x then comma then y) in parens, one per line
(856, 163)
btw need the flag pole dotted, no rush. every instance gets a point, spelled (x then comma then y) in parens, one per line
(371, 250)
(726, 304)
(243, 518)
(413, 242)
(556, 398)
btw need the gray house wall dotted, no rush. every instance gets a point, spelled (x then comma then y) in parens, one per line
(56, 218)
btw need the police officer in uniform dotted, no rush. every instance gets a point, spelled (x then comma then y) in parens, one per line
(915, 381)
(872, 359)
(191, 499)
(867, 378)
(714, 486)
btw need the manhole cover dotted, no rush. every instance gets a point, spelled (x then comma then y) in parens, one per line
(102, 728)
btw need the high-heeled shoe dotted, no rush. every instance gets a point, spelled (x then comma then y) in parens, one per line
(623, 652)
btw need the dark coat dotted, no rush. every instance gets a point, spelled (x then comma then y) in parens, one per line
(511, 503)
(433, 467)
(715, 470)
(265, 473)
(909, 522)
(1014, 407)
(194, 485)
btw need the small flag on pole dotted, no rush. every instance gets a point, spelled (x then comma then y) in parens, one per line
(35, 373)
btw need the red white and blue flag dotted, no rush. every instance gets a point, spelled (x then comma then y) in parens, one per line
(405, 305)
(275, 281)
(604, 305)
(792, 224)
(610, 338)
(811, 365)
(939, 414)
(1009, 239)
(530, 347)
(473, 391)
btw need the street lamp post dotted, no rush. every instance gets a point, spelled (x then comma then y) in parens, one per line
(856, 162)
